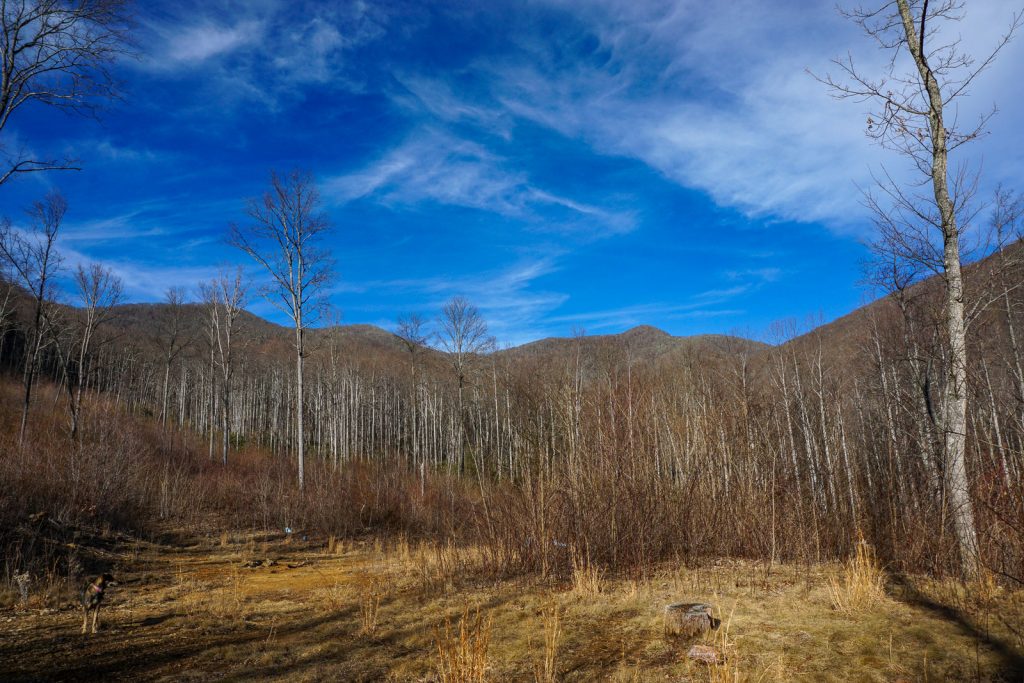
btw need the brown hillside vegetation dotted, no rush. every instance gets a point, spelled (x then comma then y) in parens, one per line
(640, 447)
(203, 595)
(611, 464)
(238, 498)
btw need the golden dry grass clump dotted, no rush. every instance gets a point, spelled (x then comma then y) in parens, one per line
(372, 590)
(462, 653)
(862, 582)
(587, 577)
(546, 670)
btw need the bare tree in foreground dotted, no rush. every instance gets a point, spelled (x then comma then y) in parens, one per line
(57, 53)
(284, 236)
(33, 262)
(910, 118)
(463, 334)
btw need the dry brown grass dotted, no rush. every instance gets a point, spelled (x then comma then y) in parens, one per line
(546, 670)
(307, 623)
(861, 584)
(587, 577)
(372, 590)
(462, 653)
(727, 670)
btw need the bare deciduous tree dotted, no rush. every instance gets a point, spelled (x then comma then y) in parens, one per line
(58, 53)
(284, 237)
(225, 297)
(410, 330)
(175, 337)
(7, 306)
(99, 290)
(927, 228)
(463, 334)
(33, 262)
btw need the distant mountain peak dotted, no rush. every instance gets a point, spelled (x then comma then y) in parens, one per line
(646, 331)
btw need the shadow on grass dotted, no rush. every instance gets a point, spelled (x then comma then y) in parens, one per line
(146, 649)
(1011, 667)
(118, 654)
(357, 650)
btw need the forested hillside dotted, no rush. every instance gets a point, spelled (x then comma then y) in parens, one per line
(637, 447)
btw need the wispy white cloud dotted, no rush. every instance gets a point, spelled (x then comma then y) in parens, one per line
(142, 280)
(198, 43)
(630, 316)
(718, 99)
(439, 98)
(515, 307)
(264, 50)
(710, 303)
(759, 274)
(435, 166)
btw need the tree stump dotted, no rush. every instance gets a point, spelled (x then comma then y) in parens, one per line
(688, 619)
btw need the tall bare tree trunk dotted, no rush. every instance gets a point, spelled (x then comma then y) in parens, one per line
(954, 398)
(298, 396)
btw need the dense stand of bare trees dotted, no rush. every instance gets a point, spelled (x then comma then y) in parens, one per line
(905, 421)
(717, 447)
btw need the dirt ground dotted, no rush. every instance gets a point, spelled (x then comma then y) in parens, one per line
(370, 611)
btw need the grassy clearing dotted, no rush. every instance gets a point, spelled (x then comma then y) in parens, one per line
(405, 611)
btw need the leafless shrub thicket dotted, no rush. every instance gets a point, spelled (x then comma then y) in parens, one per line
(599, 455)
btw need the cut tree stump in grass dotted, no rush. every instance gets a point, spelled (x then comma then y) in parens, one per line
(688, 619)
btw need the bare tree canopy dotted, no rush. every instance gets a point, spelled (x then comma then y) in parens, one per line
(410, 329)
(284, 236)
(58, 53)
(99, 291)
(463, 331)
(922, 227)
(34, 262)
(463, 335)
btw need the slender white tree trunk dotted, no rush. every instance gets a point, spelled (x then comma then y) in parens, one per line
(954, 398)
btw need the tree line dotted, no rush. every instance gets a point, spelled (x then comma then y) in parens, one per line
(907, 425)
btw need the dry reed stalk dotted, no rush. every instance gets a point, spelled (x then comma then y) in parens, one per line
(462, 655)
(587, 578)
(545, 671)
(984, 590)
(402, 549)
(335, 595)
(369, 605)
(727, 669)
(862, 583)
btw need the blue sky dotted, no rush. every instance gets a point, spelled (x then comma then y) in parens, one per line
(560, 163)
